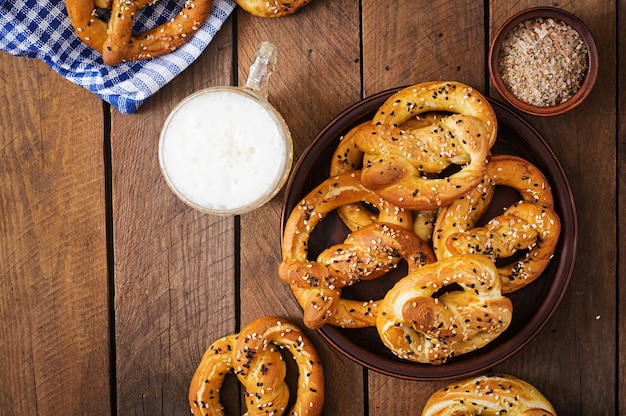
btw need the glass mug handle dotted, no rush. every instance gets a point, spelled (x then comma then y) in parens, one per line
(262, 68)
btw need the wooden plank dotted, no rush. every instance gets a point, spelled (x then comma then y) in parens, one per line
(621, 213)
(53, 283)
(584, 142)
(410, 41)
(403, 45)
(174, 266)
(317, 76)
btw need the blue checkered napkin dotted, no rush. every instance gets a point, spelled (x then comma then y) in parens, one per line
(41, 29)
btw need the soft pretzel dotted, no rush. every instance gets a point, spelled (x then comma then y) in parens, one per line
(396, 162)
(488, 395)
(418, 322)
(115, 39)
(253, 355)
(348, 157)
(429, 143)
(530, 225)
(271, 8)
(504, 170)
(523, 226)
(394, 168)
(365, 254)
(437, 96)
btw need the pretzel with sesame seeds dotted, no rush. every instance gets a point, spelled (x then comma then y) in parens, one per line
(530, 226)
(365, 254)
(115, 40)
(272, 8)
(488, 394)
(393, 169)
(438, 96)
(422, 319)
(253, 355)
(347, 157)
(396, 163)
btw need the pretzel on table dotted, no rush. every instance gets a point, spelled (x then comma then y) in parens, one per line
(253, 356)
(488, 394)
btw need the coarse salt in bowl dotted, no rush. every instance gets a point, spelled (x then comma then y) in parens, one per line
(543, 61)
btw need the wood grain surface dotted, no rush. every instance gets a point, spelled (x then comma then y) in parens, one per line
(54, 330)
(111, 288)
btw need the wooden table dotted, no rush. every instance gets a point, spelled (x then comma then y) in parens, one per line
(111, 289)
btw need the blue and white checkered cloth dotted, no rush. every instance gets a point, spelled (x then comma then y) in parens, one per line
(41, 29)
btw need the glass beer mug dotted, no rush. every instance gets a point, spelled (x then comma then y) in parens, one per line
(226, 150)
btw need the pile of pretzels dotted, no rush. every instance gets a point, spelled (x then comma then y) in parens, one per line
(411, 185)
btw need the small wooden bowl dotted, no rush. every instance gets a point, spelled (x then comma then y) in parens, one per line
(587, 82)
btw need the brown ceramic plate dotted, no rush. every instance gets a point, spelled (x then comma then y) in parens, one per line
(532, 305)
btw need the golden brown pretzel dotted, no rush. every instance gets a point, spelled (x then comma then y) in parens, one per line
(394, 168)
(393, 163)
(367, 253)
(418, 323)
(348, 157)
(254, 357)
(317, 284)
(271, 8)
(523, 226)
(114, 39)
(437, 96)
(431, 136)
(488, 395)
(530, 225)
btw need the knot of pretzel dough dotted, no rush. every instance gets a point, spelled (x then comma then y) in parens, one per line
(444, 309)
(396, 162)
(437, 96)
(495, 394)
(272, 8)
(254, 356)
(530, 225)
(115, 40)
(434, 155)
(348, 157)
(365, 254)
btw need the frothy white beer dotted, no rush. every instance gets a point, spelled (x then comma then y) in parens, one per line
(225, 150)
